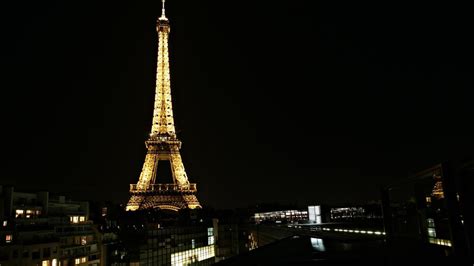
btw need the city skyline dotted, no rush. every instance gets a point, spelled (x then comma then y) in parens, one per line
(285, 102)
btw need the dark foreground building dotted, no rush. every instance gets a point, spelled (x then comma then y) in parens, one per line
(186, 237)
(433, 212)
(162, 238)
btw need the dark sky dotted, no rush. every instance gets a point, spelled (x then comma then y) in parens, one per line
(289, 101)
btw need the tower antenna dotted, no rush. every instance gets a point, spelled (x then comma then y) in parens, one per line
(163, 13)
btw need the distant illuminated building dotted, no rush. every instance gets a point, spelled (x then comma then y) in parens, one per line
(287, 216)
(347, 213)
(314, 214)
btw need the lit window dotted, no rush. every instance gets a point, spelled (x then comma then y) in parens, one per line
(8, 238)
(38, 212)
(55, 262)
(83, 240)
(83, 259)
(428, 199)
(430, 222)
(193, 243)
(77, 261)
(210, 231)
(191, 256)
(75, 219)
(314, 214)
(19, 213)
(318, 244)
(82, 218)
(5, 223)
(210, 240)
(431, 232)
(29, 212)
(45, 263)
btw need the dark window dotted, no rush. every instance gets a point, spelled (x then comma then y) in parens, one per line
(46, 252)
(15, 253)
(35, 254)
(25, 254)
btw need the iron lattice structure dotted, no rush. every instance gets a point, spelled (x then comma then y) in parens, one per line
(163, 144)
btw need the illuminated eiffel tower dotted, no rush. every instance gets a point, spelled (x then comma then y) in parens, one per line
(163, 145)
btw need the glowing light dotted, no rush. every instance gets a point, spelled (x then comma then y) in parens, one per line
(440, 242)
(83, 240)
(431, 232)
(210, 240)
(318, 244)
(19, 213)
(438, 191)
(132, 207)
(193, 255)
(314, 214)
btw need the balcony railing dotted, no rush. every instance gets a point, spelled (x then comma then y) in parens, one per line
(164, 187)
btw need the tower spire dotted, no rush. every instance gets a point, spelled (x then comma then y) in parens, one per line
(163, 10)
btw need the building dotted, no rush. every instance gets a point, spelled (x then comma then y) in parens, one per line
(285, 216)
(40, 229)
(433, 209)
(355, 213)
(159, 238)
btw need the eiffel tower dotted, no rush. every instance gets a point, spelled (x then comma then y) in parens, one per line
(163, 145)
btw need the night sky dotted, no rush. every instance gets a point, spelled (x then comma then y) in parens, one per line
(275, 101)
